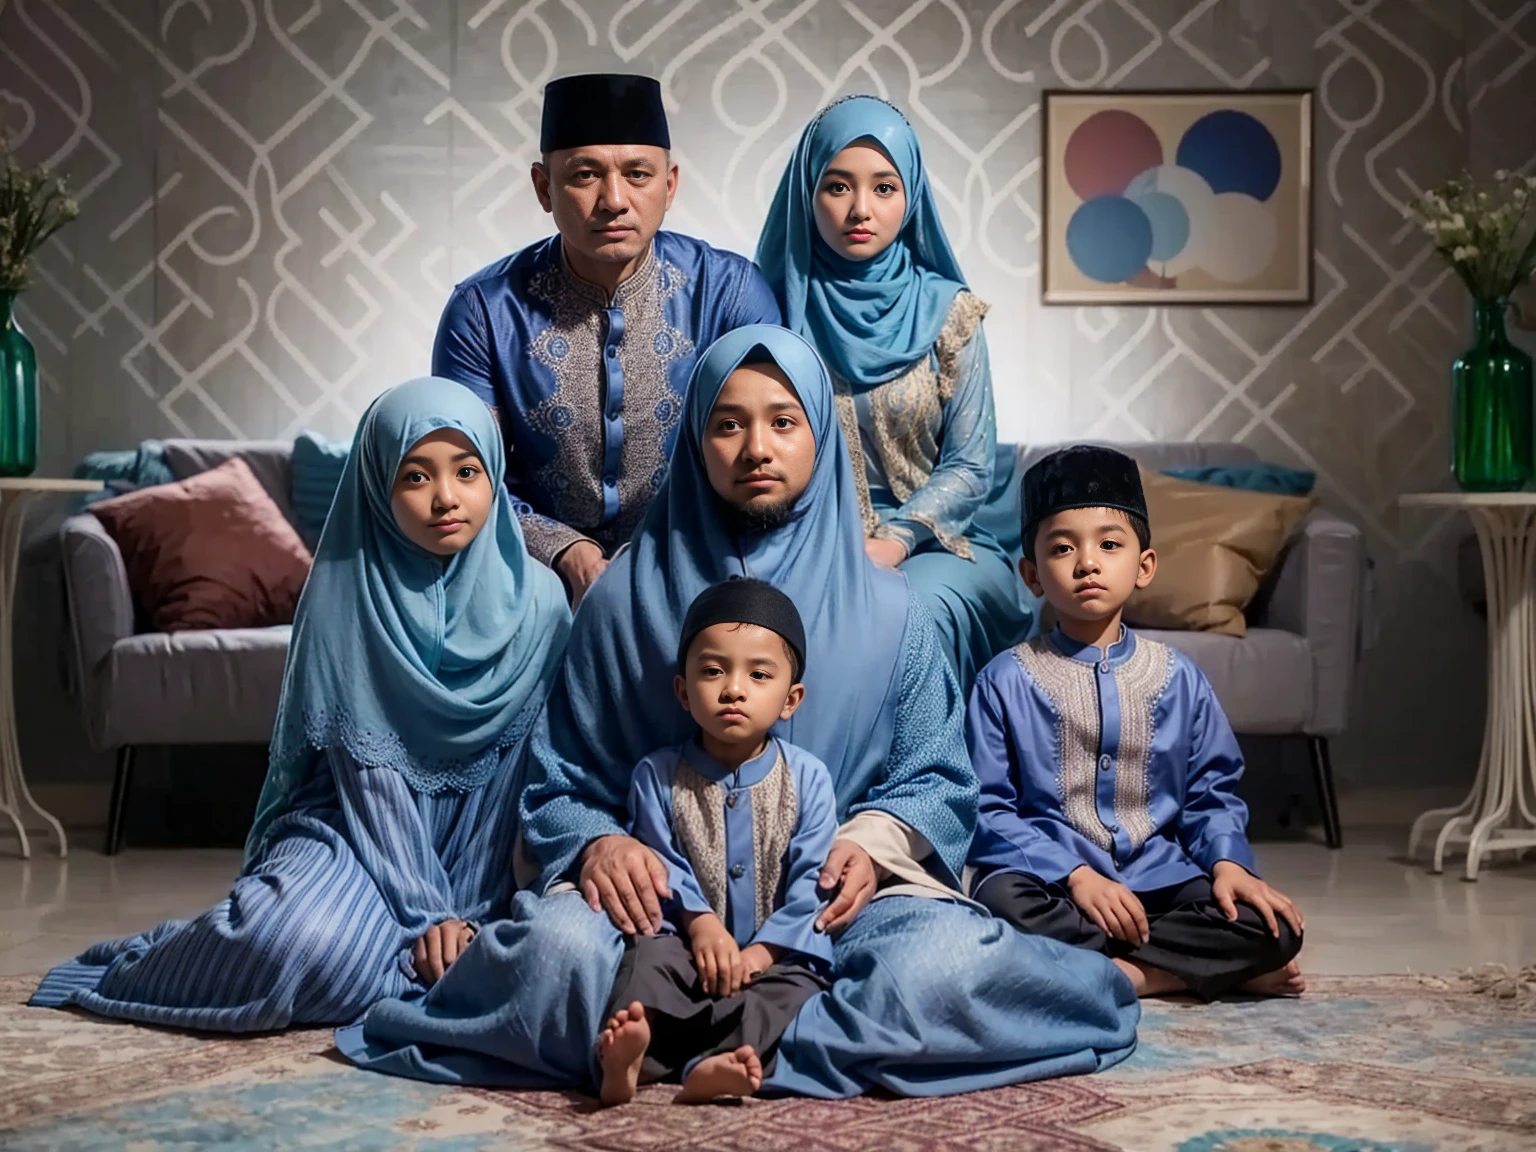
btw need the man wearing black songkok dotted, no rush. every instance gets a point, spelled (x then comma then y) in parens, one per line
(584, 341)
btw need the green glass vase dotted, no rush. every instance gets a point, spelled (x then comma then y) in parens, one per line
(1492, 407)
(18, 395)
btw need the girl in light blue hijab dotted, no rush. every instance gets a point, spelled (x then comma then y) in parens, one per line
(854, 250)
(422, 649)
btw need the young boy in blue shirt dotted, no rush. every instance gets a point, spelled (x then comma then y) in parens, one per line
(743, 822)
(1109, 813)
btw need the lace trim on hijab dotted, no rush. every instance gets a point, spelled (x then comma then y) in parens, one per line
(385, 750)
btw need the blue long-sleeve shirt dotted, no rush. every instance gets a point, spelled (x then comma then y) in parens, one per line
(746, 844)
(1120, 759)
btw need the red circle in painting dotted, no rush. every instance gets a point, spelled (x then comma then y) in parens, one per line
(1109, 150)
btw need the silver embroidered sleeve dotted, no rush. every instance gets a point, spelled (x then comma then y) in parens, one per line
(962, 479)
(546, 538)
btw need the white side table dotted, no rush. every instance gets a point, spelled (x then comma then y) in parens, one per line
(1500, 811)
(15, 493)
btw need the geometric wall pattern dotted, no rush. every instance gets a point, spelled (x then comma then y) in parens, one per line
(277, 197)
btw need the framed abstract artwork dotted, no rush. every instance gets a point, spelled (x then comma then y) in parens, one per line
(1177, 198)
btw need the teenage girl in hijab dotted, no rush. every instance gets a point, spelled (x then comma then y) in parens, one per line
(423, 647)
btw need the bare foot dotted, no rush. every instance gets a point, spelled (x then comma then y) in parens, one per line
(1150, 981)
(620, 1052)
(738, 1073)
(1287, 981)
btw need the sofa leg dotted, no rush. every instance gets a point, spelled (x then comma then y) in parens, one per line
(119, 809)
(1322, 774)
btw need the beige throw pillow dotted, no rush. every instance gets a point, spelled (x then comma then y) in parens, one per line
(1214, 547)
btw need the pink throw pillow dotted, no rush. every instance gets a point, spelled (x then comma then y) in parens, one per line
(211, 551)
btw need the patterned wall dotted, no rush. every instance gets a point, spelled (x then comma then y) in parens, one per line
(277, 197)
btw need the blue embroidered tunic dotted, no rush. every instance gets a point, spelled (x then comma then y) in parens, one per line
(589, 389)
(746, 844)
(1120, 759)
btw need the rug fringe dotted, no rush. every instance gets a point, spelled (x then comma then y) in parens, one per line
(1495, 980)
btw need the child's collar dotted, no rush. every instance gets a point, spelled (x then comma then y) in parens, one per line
(750, 773)
(1116, 653)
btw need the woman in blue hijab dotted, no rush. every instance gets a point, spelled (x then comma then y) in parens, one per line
(422, 649)
(854, 250)
(932, 996)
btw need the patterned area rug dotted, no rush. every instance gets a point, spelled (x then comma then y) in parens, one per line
(1358, 1065)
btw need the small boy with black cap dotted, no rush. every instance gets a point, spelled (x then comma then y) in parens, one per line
(1109, 817)
(743, 822)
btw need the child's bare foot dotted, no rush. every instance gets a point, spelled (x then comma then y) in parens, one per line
(621, 1051)
(1287, 981)
(1150, 981)
(738, 1073)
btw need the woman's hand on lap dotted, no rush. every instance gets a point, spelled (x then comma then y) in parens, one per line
(439, 947)
(885, 553)
(851, 874)
(621, 876)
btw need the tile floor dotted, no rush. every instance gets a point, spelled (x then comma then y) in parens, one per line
(1368, 911)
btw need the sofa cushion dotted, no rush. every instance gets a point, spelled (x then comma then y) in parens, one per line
(317, 467)
(268, 460)
(212, 551)
(1214, 547)
(1260, 477)
(1263, 680)
(219, 686)
(1159, 455)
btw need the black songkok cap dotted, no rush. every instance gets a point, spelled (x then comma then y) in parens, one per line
(603, 108)
(744, 601)
(1083, 476)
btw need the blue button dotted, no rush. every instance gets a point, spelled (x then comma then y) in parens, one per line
(612, 351)
(1113, 829)
(1104, 763)
(613, 413)
(1103, 665)
(738, 871)
(609, 481)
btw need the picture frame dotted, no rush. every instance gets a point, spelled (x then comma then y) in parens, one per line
(1181, 196)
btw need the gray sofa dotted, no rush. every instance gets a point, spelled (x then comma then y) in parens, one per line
(1292, 674)
(143, 687)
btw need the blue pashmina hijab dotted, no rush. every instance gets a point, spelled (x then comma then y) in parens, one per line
(871, 319)
(432, 670)
(613, 701)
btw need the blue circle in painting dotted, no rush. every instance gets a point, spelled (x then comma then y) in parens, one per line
(1170, 223)
(1109, 239)
(1234, 152)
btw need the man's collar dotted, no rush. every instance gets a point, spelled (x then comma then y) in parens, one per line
(632, 284)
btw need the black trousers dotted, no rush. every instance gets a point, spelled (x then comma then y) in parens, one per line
(1190, 936)
(687, 1023)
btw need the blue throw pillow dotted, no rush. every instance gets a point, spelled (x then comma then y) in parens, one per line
(1251, 477)
(317, 467)
(125, 471)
